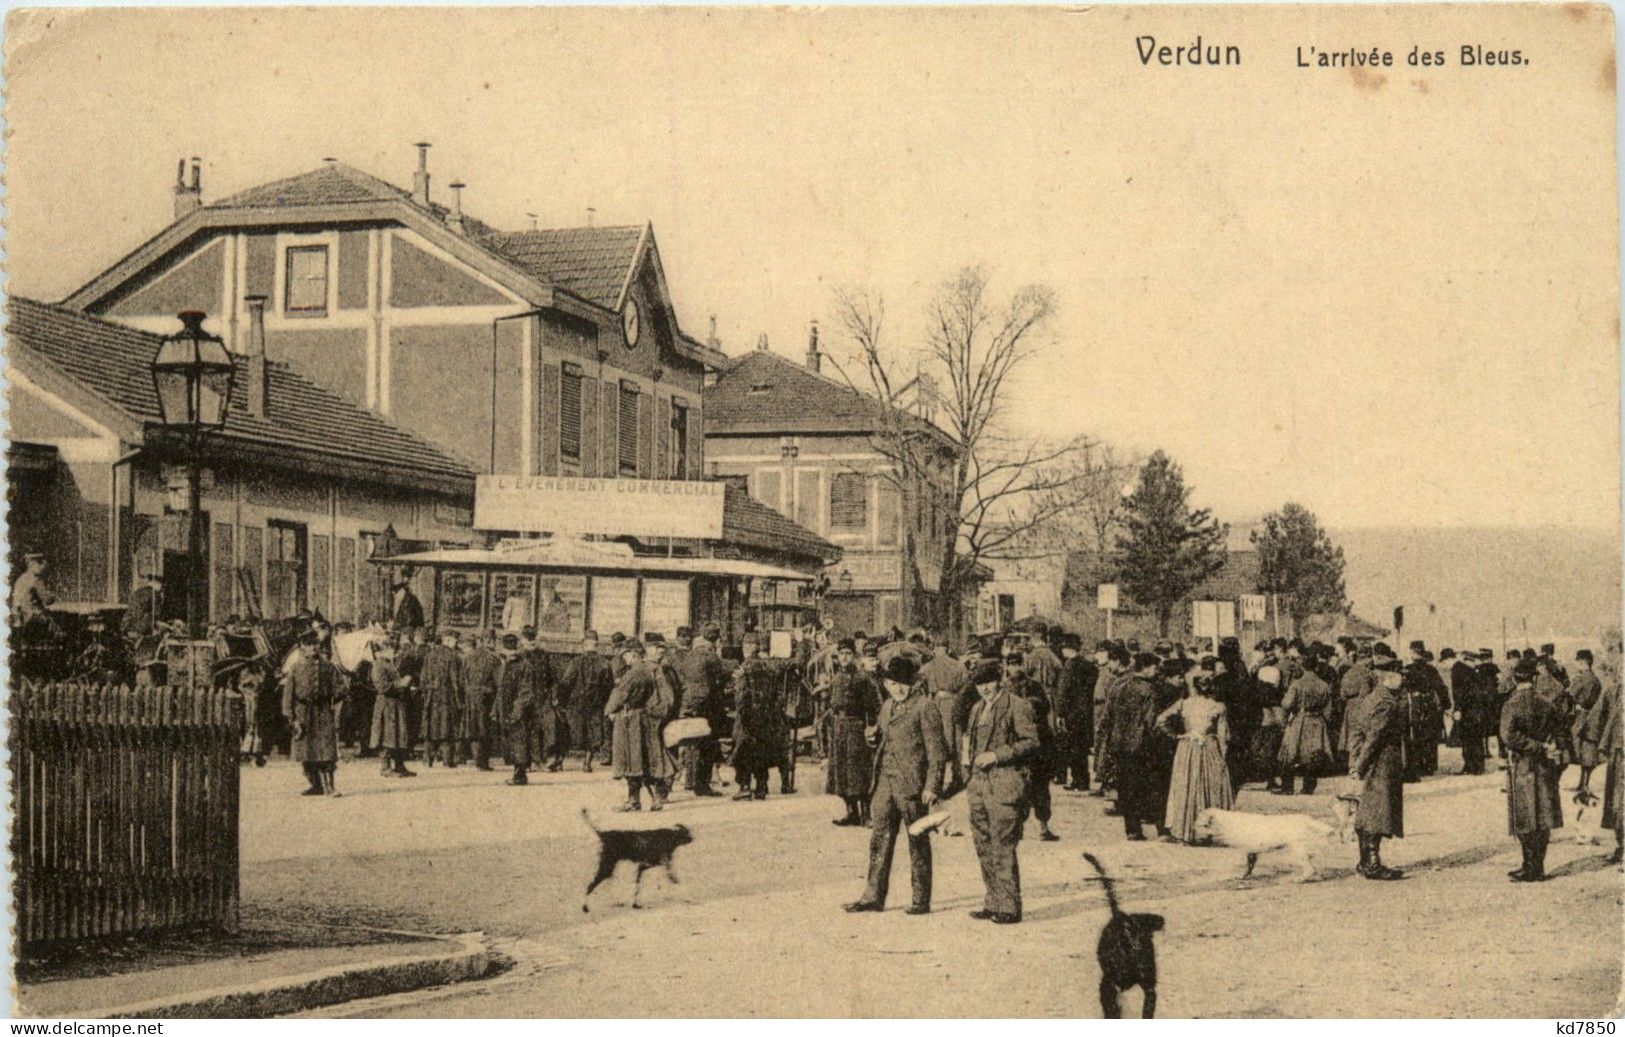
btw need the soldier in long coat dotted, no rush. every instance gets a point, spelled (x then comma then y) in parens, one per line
(1427, 700)
(1351, 687)
(1001, 740)
(1306, 745)
(440, 681)
(482, 666)
(1377, 761)
(946, 681)
(1533, 730)
(1077, 711)
(1130, 715)
(639, 706)
(854, 702)
(760, 738)
(525, 679)
(704, 681)
(391, 715)
(553, 718)
(1605, 731)
(311, 697)
(1583, 690)
(906, 781)
(587, 681)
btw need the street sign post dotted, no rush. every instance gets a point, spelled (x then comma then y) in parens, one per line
(1106, 599)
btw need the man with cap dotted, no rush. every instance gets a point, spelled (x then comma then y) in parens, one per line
(520, 690)
(391, 713)
(1130, 715)
(945, 680)
(1043, 667)
(1584, 687)
(704, 685)
(640, 705)
(1474, 713)
(1077, 705)
(586, 681)
(1018, 683)
(1001, 743)
(1604, 731)
(441, 681)
(1532, 729)
(481, 666)
(854, 704)
(405, 610)
(1377, 727)
(310, 697)
(1548, 651)
(1426, 701)
(1116, 666)
(31, 597)
(759, 729)
(907, 777)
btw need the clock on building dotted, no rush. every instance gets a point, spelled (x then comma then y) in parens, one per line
(631, 323)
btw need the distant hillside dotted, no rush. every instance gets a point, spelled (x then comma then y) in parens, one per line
(1564, 582)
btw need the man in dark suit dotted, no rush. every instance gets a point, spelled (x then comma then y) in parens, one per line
(1002, 741)
(405, 610)
(909, 755)
(1076, 718)
(1130, 715)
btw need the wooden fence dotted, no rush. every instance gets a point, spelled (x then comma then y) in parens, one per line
(124, 807)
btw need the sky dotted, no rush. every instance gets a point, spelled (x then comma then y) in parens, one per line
(1390, 296)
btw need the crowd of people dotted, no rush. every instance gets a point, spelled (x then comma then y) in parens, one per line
(1162, 731)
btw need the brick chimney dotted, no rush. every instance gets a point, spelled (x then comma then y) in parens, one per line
(454, 219)
(761, 342)
(256, 391)
(420, 179)
(812, 347)
(711, 339)
(188, 199)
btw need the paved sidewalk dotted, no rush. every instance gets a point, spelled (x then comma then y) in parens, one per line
(262, 984)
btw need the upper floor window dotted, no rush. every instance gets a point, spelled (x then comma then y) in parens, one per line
(306, 284)
(848, 502)
(627, 438)
(570, 413)
(679, 439)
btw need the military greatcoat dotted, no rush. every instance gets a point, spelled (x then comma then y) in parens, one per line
(1377, 727)
(1529, 725)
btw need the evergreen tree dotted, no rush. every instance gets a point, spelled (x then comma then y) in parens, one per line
(1298, 561)
(1166, 549)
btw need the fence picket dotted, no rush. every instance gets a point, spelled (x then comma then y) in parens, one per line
(125, 804)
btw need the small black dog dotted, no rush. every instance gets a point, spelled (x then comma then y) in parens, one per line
(645, 847)
(1127, 953)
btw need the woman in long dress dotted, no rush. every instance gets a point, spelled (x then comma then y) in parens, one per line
(1200, 779)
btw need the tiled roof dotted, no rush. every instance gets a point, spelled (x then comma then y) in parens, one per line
(592, 262)
(747, 521)
(111, 361)
(763, 392)
(333, 184)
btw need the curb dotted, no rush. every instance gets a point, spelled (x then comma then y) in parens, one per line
(285, 994)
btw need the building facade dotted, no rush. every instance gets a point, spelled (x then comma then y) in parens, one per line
(542, 352)
(808, 446)
(300, 487)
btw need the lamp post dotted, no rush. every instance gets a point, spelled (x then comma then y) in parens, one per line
(192, 373)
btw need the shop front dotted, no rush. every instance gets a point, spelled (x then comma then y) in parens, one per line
(565, 586)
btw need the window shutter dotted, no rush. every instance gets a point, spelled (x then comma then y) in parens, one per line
(221, 580)
(627, 435)
(589, 426)
(662, 467)
(807, 497)
(344, 607)
(848, 501)
(570, 413)
(321, 562)
(552, 430)
(646, 438)
(680, 468)
(888, 506)
(251, 556)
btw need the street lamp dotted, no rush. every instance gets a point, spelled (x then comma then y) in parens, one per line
(192, 373)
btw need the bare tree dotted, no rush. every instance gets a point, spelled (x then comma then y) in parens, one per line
(946, 441)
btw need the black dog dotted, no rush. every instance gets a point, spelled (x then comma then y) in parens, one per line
(645, 847)
(1127, 953)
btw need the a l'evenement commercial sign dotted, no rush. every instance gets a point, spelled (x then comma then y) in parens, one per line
(612, 507)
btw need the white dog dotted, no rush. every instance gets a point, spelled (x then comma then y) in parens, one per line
(1292, 834)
